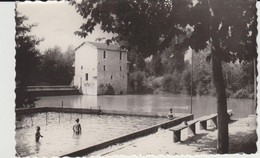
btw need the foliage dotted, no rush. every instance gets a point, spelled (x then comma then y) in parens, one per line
(110, 90)
(105, 89)
(56, 67)
(241, 94)
(170, 83)
(136, 60)
(172, 58)
(25, 99)
(155, 83)
(155, 66)
(27, 59)
(136, 81)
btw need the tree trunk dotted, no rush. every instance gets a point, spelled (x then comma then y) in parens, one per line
(223, 142)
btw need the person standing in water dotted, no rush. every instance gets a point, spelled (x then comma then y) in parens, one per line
(170, 114)
(77, 127)
(38, 134)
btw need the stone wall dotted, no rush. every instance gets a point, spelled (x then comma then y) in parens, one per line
(113, 74)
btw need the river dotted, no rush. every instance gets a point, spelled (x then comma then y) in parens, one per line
(201, 106)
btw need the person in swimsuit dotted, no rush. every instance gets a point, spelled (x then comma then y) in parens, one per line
(38, 134)
(77, 127)
(170, 114)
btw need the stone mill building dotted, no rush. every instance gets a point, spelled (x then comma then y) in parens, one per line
(98, 65)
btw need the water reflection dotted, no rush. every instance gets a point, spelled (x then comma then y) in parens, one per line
(150, 103)
(37, 147)
(76, 138)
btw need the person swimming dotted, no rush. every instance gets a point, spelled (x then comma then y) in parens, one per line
(77, 127)
(38, 134)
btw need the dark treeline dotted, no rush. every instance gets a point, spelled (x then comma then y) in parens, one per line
(170, 73)
(55, 67)
(51, 67)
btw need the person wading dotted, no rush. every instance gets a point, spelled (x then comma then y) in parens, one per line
(170, 114)
(38, 134)
(77, 127)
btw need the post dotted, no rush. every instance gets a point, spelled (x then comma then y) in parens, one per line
(46, 119)
(191, 81)
(62, 105)
(81, 112)
(31, 120)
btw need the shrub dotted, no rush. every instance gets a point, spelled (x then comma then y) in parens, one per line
(110, 90)
(102, 89)
(171, 84)
(156, 82)
(136, 81)
(202, 88)
(241, 94)
(228, 93)
(105, 89)
(186, 83)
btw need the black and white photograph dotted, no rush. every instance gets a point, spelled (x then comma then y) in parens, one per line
(135, 78)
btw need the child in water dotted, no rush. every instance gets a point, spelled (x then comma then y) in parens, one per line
(170, 114)
(77, 127)
(38, 134)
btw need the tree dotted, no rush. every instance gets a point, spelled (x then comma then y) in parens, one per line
(27, 60)
(136, 60)
(56, 67)
(151, 25)
(230, 40)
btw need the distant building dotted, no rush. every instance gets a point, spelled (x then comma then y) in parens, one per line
(98, 65)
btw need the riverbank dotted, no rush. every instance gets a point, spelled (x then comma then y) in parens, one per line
(242, 138)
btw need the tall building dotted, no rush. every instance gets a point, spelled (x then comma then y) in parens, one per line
(98, 65)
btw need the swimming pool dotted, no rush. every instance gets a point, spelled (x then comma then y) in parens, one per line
(58, 137)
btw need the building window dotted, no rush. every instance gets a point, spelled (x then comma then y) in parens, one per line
(111, 77)
(86, 76)
(120, 56)
(104, 54)
(81, 67)
(120, 68)
(104, 67)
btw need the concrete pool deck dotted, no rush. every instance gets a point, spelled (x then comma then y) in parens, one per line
(242, 140)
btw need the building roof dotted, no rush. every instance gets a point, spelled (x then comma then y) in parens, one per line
(104, 46)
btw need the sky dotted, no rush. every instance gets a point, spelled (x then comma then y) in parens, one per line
(57, 22)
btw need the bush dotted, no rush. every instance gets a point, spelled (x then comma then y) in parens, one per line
(24, 99)
(186, 83)
(228, 93)
(102, 89)
(156, 82)
(105, 89)
(110, 90)
(171, 84)
(136, 81)
(241, 94)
